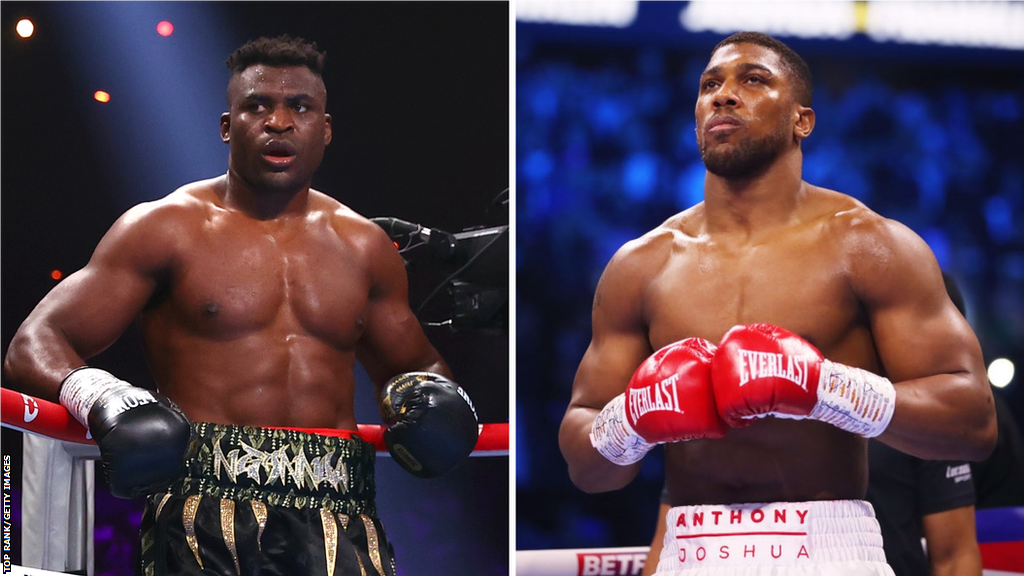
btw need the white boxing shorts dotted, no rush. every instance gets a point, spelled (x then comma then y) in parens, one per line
(836, 537)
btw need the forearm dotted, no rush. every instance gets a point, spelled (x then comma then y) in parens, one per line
(588, 469)
(965, 564)
(952, 542)
(397, 348)
(943, 417)
(957, 555)
(437, 366)
(38, 358)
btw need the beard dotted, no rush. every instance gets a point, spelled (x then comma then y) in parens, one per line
(748, 158)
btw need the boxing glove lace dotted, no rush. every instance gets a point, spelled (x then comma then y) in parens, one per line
(668, 399)
(143, 437)
(431, 423)
(763, 370)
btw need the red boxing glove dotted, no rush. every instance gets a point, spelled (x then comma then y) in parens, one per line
(763, 370)
(668, 399)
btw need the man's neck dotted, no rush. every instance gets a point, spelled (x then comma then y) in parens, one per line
(263, 203)
(748, 205)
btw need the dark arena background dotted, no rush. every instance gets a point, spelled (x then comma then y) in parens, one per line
(925, 126)
(419, 94)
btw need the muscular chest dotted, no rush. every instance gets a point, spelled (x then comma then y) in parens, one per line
(797, 283)
(240, 277)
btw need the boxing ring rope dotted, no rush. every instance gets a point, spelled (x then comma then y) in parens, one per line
(37, 416)
(23, 571)
(58, 480)
(1000, 533)
(582, 561)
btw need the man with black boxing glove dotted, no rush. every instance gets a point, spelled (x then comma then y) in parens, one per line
(762, 336)
(255, 295)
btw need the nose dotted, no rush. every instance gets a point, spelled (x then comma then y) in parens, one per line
(726, 95)
(279, 120)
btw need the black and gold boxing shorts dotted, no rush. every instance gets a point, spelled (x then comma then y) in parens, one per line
(270, 502)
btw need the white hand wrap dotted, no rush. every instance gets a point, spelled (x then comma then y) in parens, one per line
(854, 400)
(83, 387)
(614, 438)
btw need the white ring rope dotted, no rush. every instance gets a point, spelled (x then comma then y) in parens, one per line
(23, 571)
(581, 562)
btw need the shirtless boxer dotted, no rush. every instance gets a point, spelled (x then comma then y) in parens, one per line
(765, 464)
(915, 501)
(255, 295)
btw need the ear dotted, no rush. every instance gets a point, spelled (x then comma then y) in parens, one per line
(328, 130)
(225, 127)
(804, 124)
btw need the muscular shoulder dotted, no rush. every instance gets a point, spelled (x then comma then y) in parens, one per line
(371, 248)
(638, 262)
(186, 205)
(151, 232)
(355, 230)
(639, 259)
(642, 258)
(861, 231)
(881, 254)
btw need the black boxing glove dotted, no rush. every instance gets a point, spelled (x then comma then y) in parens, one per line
(143, 437)
(432, 424)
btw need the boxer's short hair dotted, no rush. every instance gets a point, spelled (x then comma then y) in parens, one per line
(284, 50)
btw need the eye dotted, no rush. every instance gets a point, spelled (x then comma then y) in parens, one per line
(301, 108)
(255, 107)
(708, 84)
(755, 79)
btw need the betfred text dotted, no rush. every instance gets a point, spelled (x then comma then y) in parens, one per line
(610, 563)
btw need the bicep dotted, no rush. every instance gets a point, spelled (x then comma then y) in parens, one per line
(619, 341)
(87, 311)
(96, 304)
(917, 330)
(393, 341)
(606, 368)
(92, 307)
(618, 345)
(926, 348)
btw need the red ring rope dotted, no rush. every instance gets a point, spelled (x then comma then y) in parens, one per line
(38, 416)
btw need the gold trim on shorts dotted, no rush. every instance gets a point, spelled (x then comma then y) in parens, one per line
(259, 510)
(188, 520)
(373, 543)
(227, 529)
(160, 506)
(330, 539)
